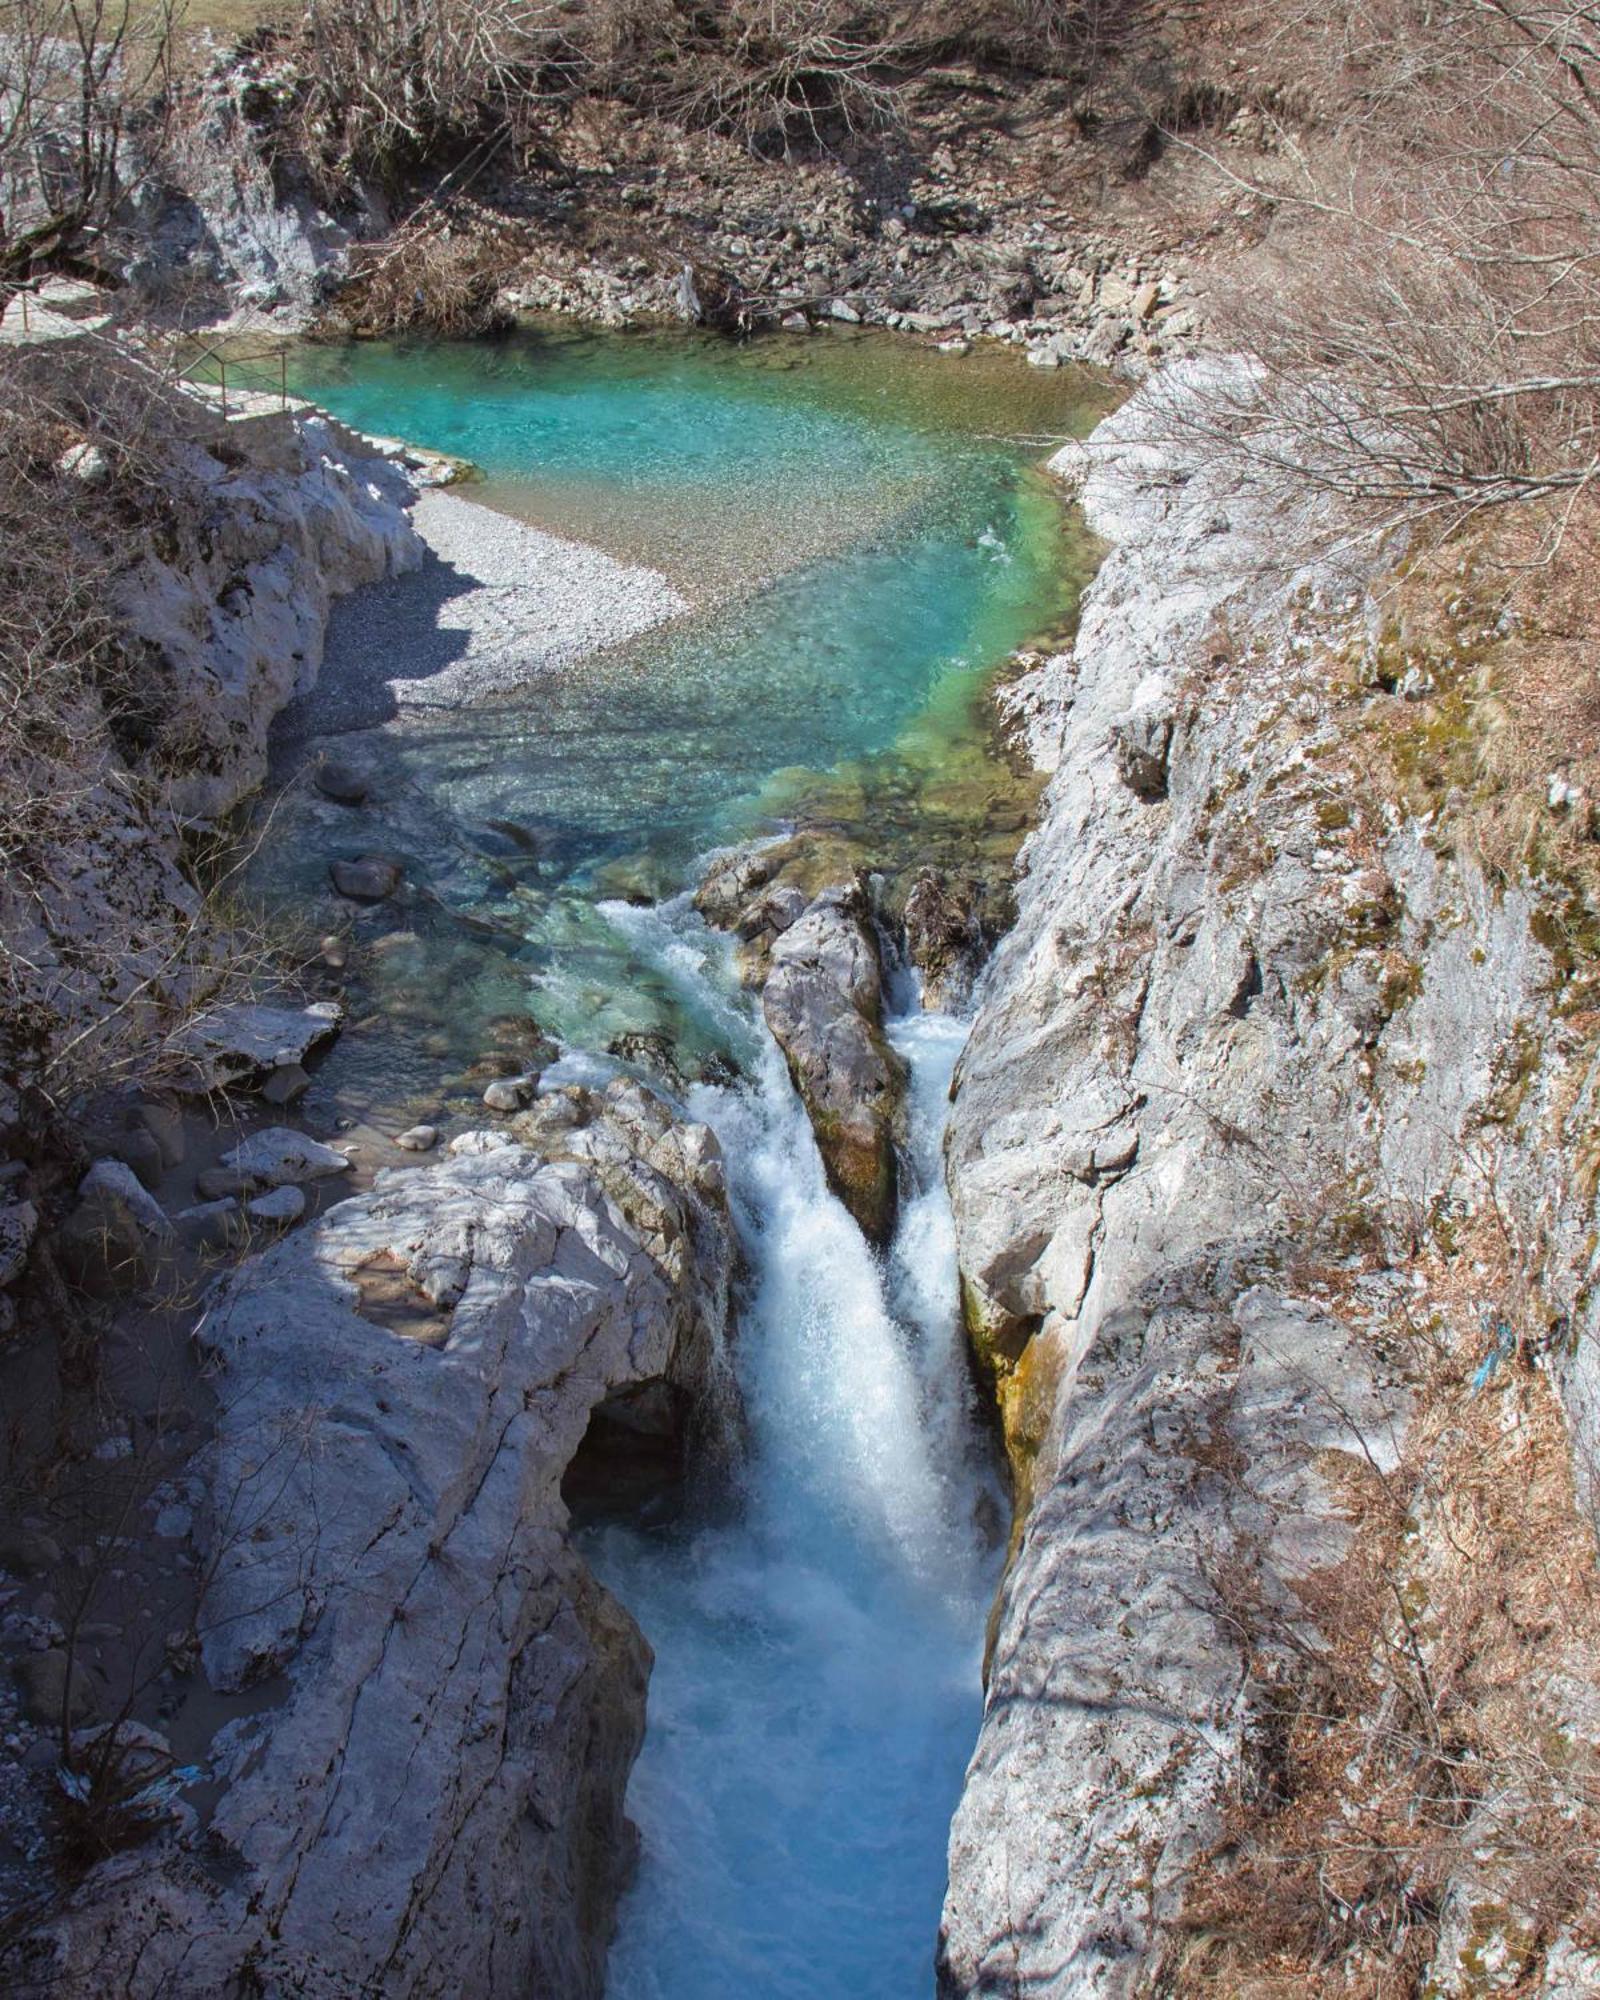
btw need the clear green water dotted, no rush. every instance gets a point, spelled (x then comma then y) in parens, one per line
(865, 531)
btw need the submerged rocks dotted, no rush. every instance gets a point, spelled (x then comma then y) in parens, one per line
(823, 1001)
(401, 1387)
(343, 780)
(370, 878)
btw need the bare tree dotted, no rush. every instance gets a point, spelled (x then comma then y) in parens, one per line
(1426, 314)
(77, 77)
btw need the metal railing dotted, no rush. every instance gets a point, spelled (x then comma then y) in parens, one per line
(214, 356)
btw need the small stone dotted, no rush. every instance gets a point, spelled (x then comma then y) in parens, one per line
(370, 878)
(1145, 299)
(345, 782)
(960, 345)
(335, 952)
(419, 1139)
(279, 1207)
(214, 1184)
(285, 1084)
(509, 1093)
(174, 1522)
(795, 322)
(85, 462)
(844, 312)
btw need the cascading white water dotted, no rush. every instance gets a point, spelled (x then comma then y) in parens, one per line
(816, 1690)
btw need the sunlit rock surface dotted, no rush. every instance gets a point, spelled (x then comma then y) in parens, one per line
(428, 1798)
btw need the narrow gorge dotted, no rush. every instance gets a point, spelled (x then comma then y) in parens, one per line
(798, 1002)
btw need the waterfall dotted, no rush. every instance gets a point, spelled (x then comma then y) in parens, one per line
(816, 1690)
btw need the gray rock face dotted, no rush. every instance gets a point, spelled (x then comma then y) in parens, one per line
(1210, 1022)
(823, 1001)
(1141, 744)
(436, 1801)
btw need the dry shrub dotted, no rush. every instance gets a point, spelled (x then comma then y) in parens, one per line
(92, 451)
(1410, 1747)
(384, 89)
(1426, 311)
(441, 273)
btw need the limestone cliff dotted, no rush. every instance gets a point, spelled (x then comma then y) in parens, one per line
(1267, 1074)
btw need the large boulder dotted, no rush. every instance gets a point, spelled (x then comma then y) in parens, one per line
(823, 1001)
(435, 1797)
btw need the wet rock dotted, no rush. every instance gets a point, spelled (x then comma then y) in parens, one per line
(343, 780)
(522, 1034)
(730, 883)
(401, 1387)
(370, 878)
(242, 1045)
(418, 1139)
(944, 939)
(823, 1000)
(285, 1085)
(771, 913)
(510, 1093)
(214, 1184)
(279, 1157)
(649, 1049)
(278, 1208)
